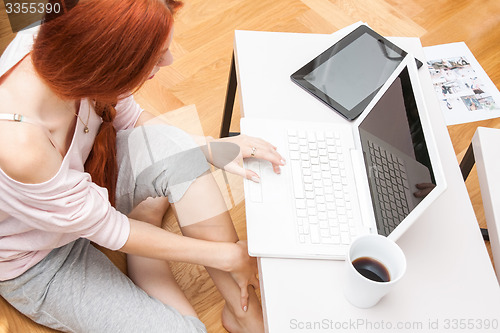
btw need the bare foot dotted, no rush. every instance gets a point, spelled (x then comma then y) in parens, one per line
(244, 322)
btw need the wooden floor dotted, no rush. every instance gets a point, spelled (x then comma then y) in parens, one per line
(202, 49)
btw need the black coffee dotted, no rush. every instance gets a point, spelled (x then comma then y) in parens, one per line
(372, 269)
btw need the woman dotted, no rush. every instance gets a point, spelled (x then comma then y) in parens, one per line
(66, 109)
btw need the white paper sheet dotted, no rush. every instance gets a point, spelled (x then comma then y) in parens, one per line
(465, 91)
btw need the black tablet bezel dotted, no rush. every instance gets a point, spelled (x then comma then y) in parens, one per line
(351, 114)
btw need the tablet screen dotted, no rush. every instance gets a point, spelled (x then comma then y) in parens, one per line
(355, 72)
(350, 73)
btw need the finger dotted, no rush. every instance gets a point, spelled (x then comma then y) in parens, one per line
(249, 174)
(269, 154)
(261, 149)
(234, 168)
(276, 168)
(244, 297)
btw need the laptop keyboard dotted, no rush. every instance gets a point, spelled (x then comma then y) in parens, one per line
(322, 199)
(391, 183)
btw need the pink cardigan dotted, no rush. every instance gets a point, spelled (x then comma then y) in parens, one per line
(36, 218)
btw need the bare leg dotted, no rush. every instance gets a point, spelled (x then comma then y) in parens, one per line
(202, 214)
(152, 275)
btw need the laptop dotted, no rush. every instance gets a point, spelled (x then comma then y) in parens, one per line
(376, 174)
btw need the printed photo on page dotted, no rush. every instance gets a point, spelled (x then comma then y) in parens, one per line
(465, 91)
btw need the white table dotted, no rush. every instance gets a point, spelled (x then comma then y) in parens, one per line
(485, 145)
(449, 280)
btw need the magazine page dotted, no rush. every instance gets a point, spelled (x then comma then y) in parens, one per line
(465, 91)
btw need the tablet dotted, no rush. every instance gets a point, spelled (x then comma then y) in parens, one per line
(349, 74)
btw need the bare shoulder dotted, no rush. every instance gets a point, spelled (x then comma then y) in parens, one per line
(26, 154)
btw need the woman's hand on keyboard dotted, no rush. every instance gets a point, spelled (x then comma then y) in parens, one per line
(248, 147)
(244, 271)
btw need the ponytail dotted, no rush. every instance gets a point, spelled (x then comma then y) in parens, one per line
(101, 163)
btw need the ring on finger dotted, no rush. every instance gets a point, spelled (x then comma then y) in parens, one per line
(253, 151)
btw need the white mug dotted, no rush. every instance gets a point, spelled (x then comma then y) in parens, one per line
(364, 292)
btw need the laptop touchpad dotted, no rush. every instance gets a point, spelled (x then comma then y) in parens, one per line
(270, 181)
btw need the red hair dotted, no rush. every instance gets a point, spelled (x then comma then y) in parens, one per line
(103, 49)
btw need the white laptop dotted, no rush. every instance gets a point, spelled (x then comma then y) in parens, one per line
(344, 179)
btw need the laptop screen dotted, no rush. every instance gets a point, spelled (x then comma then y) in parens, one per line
(396, 158)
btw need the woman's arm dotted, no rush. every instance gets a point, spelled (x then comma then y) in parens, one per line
(149, 241)
(227, 157)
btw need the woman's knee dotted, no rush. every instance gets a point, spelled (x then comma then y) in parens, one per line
(151, 210)
(202, 201)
